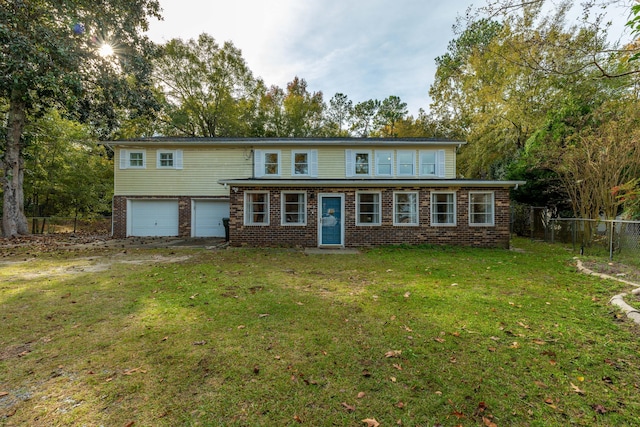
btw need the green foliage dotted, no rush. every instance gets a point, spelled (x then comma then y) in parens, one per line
(392, 110)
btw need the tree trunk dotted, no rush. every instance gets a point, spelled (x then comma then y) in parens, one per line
(14, 222)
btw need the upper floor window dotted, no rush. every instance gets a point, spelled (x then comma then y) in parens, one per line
(481, 208)
(133, 159)
(443, 208)
(169, 159)
(384, 163)
(267, 163)
(358, 163)
(432, 163)
(406, 163)
(304, 163)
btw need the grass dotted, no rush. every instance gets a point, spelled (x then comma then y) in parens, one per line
(248, 337)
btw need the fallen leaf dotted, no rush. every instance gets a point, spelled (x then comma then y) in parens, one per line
(548, 401)
(366, 373)
(241, 326)
(456, 334)
(408, 329)
(488, 423)
(164, 339)
(393, 379)
(348, 407)
(552, 362)
(599, 409)
(539, 342)
(514, 344)
(263, 315)
(3, 393)
(297, 419)
(397, 366)
(440, 340)
(492, 349)
(129, 424)
(407, 294)
(193, 296)
(576, 388)
(523, 325)
(400, 405)
(540, 384)
(393, 353)
(371, 422)
(361, 395)
(203, 342)
(458, 414)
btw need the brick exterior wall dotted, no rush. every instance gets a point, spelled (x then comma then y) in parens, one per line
(276, 234)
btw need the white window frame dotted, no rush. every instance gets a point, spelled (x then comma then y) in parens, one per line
(412, 153)
(302, 208)
(176, 159)
(260, 169)
(416, 208)
(492, 205)
(439, 165)
(248, 208)
(312, 163)
(125, 159)
(377, 212)
(351, 157)
(386, 155)
(434, 212)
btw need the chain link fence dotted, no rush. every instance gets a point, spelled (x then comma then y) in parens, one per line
(61, 225)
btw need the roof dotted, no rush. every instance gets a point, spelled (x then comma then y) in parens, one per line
(250, 142)
(359, 182)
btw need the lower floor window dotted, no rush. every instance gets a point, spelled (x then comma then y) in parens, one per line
(443, 208)
(256, 208)
(294, 209)
(481, 209)
(368, 208)
(405, 208)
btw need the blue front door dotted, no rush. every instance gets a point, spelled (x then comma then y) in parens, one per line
(331, 220)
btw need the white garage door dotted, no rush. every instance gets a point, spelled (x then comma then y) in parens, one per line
(152, 218)
(206, 218)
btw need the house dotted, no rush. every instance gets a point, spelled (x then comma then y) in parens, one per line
(309, 192)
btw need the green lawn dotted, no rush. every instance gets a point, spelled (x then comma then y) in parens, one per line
(245, 337)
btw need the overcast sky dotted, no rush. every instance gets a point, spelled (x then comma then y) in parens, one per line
(366, 49)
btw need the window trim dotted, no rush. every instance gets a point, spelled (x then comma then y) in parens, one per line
(434, 213)
(177, 159)
(493, 209)
(125, 159)
(260, 164)
(247, 219)
(283, 211)
(377, 162)
(440, 163)
(416, 206)
(312, 163)
(350, 156)
(379, 209)
(413, 158)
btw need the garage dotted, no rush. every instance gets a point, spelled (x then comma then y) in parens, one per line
(152, 218)
(206, 217)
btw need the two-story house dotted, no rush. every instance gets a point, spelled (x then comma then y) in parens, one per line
(309, 192)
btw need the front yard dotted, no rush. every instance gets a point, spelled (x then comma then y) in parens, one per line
(234, 337)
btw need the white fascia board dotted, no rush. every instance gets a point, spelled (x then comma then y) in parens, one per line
(270, 142)
(368, 183)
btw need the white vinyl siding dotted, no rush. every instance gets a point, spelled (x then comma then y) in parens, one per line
(368, 208)
(256, 208)
(133, 159)
(294, 208)
(384, 163)
(443, 209)
(432, 163)
(481, 209)
(405, 208)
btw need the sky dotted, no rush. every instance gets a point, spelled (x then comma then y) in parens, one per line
(365, 49)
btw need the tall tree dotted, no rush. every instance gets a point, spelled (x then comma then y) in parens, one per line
(208, 87)
(303, 109)
(391, 111)
(49, 56)
(363, 116)
(338, 114)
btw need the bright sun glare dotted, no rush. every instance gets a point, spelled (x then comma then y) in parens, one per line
(106, 50)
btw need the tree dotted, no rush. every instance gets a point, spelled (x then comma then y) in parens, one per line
(363, 116)
(208, 88)
(338, 114)
(49, 56)
(303, 110)
(391, 111)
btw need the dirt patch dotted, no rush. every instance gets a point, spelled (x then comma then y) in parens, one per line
(614, 269)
